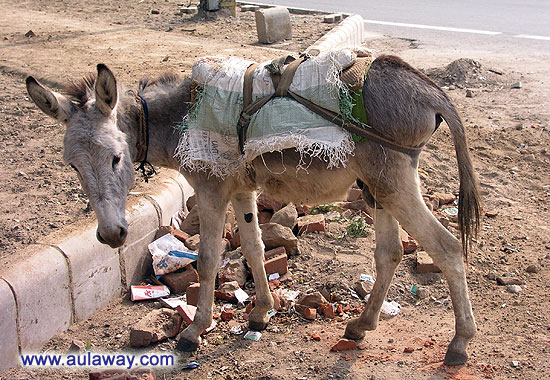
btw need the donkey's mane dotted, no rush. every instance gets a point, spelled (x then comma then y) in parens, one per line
(82, 91)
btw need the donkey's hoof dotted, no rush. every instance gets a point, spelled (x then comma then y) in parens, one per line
(186, 346)
(257, 326)
(353, 331)
(454, 358)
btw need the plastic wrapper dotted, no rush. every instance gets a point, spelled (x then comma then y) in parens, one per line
(170, 254)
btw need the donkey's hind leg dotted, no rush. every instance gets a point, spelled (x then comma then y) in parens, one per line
(253, 250)
(387, 255)
(212, 207)
(409, 209)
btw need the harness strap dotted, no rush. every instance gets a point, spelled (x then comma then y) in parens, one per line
(142, 143)
(287, 77)
(355, 128)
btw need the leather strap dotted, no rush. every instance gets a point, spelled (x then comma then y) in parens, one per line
(355, 128)
(287, 77)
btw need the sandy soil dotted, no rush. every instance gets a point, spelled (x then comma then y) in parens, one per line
(508, 131)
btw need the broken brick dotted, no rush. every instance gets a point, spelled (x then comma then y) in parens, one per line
(408, 350)
(187, 312)
(409, 244)
(178, 234)
(309, 313)
(314, 299)
(274, 252)
(274, 235)
(327, 309)
(178, 282)
(311, 223)
(156, 326)
(226, 291)
(193, 242)
(227, 315)
(234, 270)
(192, 294)
(354, 194)
(344, 345)
(316, 337)
(425, 264)
(278, 264)
(264, 217)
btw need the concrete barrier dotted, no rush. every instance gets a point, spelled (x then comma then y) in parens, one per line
(349, 33)
(70, 275)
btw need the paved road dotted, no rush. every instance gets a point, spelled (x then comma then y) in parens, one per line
(490, 25)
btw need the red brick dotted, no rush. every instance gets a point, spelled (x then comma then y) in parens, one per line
(156, 326)
(354, 195)
(117, 374)
(327, 309)
(187, 312)
(408, 350)
(178, 282)
(311, 223)
(164, 230)
(344, 345)
(339, 309)
(425, 264)
(265, 203)
(192, 293)
(409, 244)
(236, 239)
(274, 252)
(227, 315)
(309, 313)
(316, 337)
(226, 291)
(264, 217)
(278, 264)
(193, 242)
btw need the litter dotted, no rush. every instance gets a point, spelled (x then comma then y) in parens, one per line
(271, 313)
(148, 292)
(170, 254)
(253, 336)
(237, 330)
(173, 302)
(241, 295)
(451, 211)
(274, 276)
(388, 309)
(192, 365)
(366, 277)
(414, 289)
(290, 295)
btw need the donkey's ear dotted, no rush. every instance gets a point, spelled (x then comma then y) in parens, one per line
(52, 103)
(106, 95)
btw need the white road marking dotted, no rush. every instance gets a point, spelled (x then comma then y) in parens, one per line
(533, 37)
(444, 28)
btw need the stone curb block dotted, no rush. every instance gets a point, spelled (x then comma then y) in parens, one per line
(41, 287)
(95, 272)
(294, 10)
(8, 327)
(70, 277)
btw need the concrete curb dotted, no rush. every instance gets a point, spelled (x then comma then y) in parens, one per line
(70, 275)
(294, 10)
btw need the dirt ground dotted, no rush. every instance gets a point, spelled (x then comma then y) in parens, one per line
(508, 130)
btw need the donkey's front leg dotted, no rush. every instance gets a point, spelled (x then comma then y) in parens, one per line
(387, 255)
(212, 206)
(253, 250)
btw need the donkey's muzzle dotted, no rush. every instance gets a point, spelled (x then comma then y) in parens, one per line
(115, 237)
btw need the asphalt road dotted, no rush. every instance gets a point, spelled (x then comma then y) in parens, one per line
(489, 25)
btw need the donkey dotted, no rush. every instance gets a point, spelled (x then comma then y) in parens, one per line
(102, 120)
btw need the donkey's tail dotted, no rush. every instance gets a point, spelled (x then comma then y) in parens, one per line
(469, 198)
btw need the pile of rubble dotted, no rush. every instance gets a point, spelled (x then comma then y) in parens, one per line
(234, 296)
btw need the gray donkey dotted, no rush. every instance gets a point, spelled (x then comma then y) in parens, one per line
(402, 104)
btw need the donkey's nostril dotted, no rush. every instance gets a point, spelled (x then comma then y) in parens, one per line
(100, 238)
(123, 233)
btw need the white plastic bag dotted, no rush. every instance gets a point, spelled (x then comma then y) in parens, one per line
(169, 254)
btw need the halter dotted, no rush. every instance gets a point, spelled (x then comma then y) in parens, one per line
(142, 143)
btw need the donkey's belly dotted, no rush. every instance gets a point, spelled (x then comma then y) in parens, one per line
(284, 177)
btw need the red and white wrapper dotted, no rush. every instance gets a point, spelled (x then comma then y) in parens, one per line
(148, 292)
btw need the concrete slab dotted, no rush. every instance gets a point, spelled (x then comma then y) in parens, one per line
(143, 222)
(41, 287)
(8, 326)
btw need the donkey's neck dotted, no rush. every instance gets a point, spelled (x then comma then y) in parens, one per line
(166, 109)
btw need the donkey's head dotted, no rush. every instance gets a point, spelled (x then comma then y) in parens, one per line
(95, 145)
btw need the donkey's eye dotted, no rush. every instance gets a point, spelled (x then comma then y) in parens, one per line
(116, 160)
